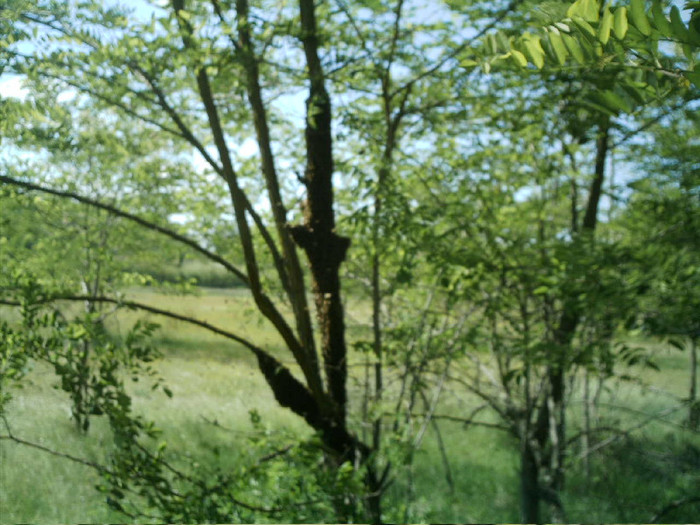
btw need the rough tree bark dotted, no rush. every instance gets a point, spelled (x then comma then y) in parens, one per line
(322, 404)
(529, 484)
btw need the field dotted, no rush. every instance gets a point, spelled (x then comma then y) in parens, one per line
(215, 385)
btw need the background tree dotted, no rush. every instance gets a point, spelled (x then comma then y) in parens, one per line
(662, 216)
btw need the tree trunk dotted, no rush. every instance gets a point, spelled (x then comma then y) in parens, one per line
(694, 410)
(570, 316)
(586, 438)
(529, 485)
(326, 250)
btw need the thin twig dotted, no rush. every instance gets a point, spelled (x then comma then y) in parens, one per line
(509, 8)
(651, 122)
(672, 506)
(628, 431)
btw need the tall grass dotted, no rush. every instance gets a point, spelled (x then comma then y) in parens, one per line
(203, 273)
(215, 384)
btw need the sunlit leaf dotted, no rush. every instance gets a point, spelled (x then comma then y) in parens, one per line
(558, 45)
(605, 26)
(620, 22)
(586, 9)
(534, 48)
(518, 57)
(574, 48)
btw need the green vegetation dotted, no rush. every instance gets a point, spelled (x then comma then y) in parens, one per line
(215, 387)
(459, 281)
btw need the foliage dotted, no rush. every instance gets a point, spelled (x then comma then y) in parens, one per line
(460, 187)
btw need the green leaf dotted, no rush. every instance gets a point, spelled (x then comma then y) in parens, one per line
(620, 22)
(586, 9)
(574, 48)
(605, 26)
(586, 28)
(639, 17)
(491, 44)
(615, 102)
(660, 20)
(677, 344)
(502, 39)
(573, 9)
(694, 27)
(634, 93)
(540, 290)
(680, 32)
(689, 52)
(649, 363)
(518, 57)
(694, 77)
(78, 332)
(534, 49)
(599, 108)
(558, 45)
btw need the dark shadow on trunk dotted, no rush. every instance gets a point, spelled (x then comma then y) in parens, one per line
(529, 485)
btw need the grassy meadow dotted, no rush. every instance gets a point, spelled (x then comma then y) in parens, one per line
(216, 384)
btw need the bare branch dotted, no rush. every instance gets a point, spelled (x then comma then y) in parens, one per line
(134, 218)
(353, 23)
(239, 202)
(112, 102)
(11, 437)
(146, 308)
(650, 123)
(394, 36)
(288, 268)
(628, 431)
(457, 419)
(105, 470)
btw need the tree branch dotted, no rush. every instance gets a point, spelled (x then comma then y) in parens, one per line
(112, 102)
(651, 122)
(673, 506)
(457, 419)
(11, 437)
(134, 218)
(509, 8)
(146, 308)
(289, 271)
(288, 391)
(324, 248)
(239, 200)
(105, 470)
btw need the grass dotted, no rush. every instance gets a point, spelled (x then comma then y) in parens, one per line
(215, 384)
(203, 272)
